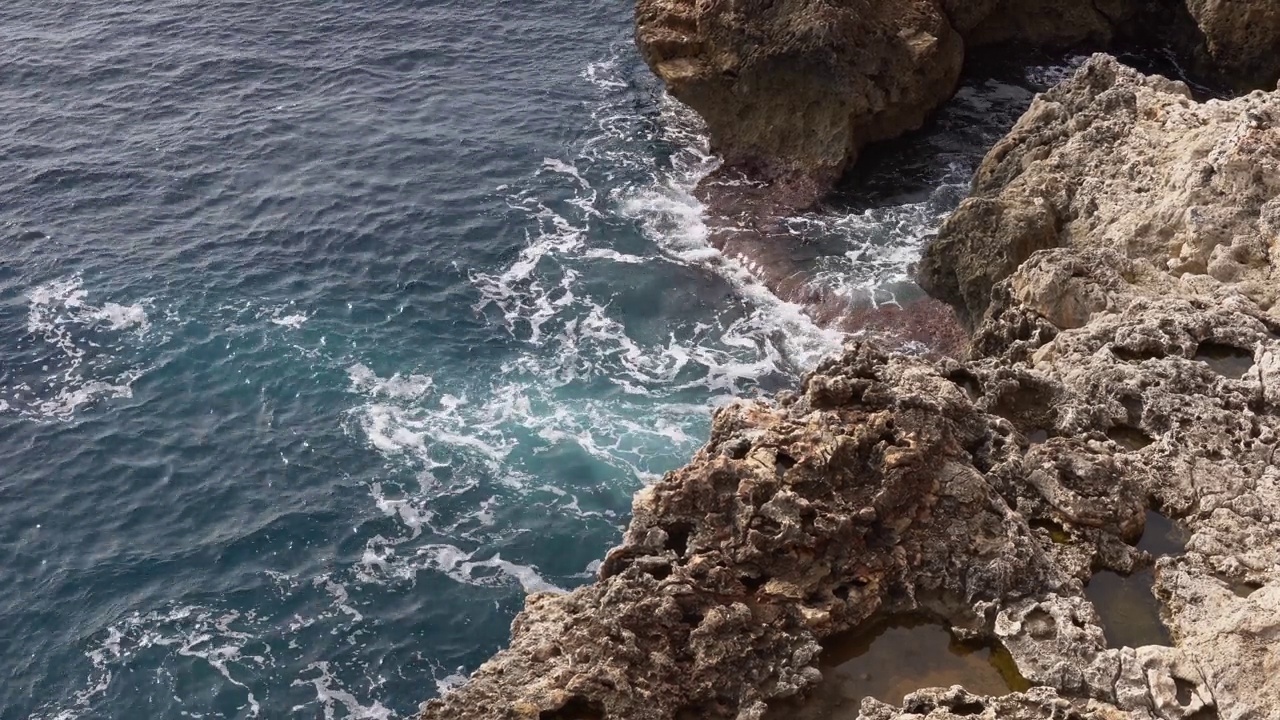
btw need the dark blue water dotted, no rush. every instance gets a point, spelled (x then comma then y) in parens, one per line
(329, 329)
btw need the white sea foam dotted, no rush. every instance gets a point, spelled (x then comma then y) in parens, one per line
(1050, 75)
(218, 639)
(330, 695)
(243, 648)
(571, 338)
(123, 317)
(86, 338)
(582, 379)
(294, 321)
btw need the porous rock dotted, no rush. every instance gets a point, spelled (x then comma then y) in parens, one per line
(1115, 159)
(1242, 39)
(792, 89)
(797, 521)
(893, 484)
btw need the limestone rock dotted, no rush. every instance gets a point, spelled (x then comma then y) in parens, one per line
(795, 522)
(1242, 38)
(1115, 159)
(792, 89)
(892, 484)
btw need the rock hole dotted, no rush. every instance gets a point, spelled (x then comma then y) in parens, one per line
(737, 448)
(972, 707)
(1226, 360)
(893, 659)
(785, 461)
(659, 572)
(1128, 438)
(753, 584)
(1162, 536)
(1136, 355)
(1185, 691)
(1029, 407)
(578, 708)
(1241, 588)
(1207, 713)
(1128, 608)
(678, 537)
(1245, 589)
(1041, 624)
(1057, 533)
(842, 592)
(1133, 409)
(692, 616)
(968, 381)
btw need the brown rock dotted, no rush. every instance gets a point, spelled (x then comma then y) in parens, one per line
(792, 89)
(1242, 39)
(893, 485)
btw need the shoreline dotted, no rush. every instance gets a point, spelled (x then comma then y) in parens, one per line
(986, 492)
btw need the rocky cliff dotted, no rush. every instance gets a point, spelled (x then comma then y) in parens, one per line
(1126, 357)
(792, 90)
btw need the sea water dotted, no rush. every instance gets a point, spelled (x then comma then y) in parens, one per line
(331, 329)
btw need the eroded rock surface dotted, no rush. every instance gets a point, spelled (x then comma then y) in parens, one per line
(892, 484)
(792, 89)
(1115, 159)
(1242, 38)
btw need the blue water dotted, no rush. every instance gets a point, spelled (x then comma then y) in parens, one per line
(329, 329)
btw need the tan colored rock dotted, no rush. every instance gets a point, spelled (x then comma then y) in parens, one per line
(1242, 38)
(792, 89)
(1115, 159)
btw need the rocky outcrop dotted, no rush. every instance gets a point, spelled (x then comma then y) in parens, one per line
(1114, 159)
(1150, 363)
(890, 485)
(1110, 375)
(798, 520)
(1241, 39)
(792, 89)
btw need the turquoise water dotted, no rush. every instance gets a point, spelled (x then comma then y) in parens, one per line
(328, 330)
